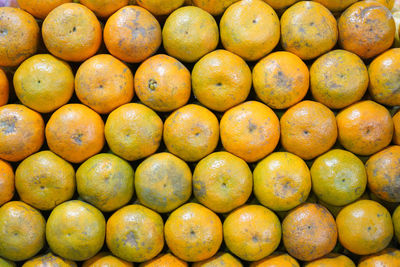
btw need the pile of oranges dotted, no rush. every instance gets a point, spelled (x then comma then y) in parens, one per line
(200, 132)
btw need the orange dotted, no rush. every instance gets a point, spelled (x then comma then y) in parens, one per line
(396, 222)
(221, 80)
(222, 182)
(160, 7)
(193, 232)
(331, 260)
(366, 28)
(21, 132)
(44, 83)
(387, 257)
(281, 79)
(250, 131)
(104, 83)
(309, 232)
(388, 3)
(135, 233)
(221, 259)
(7, 263)
(104, 259)
(163, 182)
(277, 259)
(338, 79)
(308, 129)
(336, 5)
(214, 7)
(104, 8)
(132, 34)
(22, 231)
(282, 181)
(40, 8)
(250, 29)
(364, 227)
(75, 132)
(49, 260)
(72, 32)
(6, 182)
(75, 230)
(189, 33)
(164, 260)
(308, 29)
(19, 36)
(280, 4)
(191, 132)
(4, 88)
(163, 83)
(133, 131)
(396, 124)
(365, 127)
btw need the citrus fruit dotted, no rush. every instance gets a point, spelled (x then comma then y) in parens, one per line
(277, 259)
(396, 222)
(396, 124)
(220, 259)
(280, 4)
(104, 8)
(331, 260)
(7, 263)
(40, 8)
(387, 257)
(4, 88)
(104, 259)
(6, 182)
(164, 260)
(214, 7)
(160, 7)
(49, 260)
(336, 5)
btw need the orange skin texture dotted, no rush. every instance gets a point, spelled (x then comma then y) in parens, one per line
(132, 34)
(6, 182)
(214, 7)
(104, 83)
(193, 232)
(388, 3)
(281, 79)
(163, 83)
(308, 129)
(250, 131)
(364, 227)
(189, 33)
(338, 79)
(396, 124)
(44, 83)
(160, 7)
(191, 132)
(133, 131)
(366, 28)
(72, 32)
(331, 260)
(4, 88)
(104, 8)
(384, 73)
(221, 259)
(309, 232)
(243, 29)
(221, 80)
(387, 257)
(75, 132)
(22, 231)
(252, 232)
(282, 181)
(276, 259)
(135, 233)
(104, 259)
(163, 182)
(49, 260)
(280, 4)
(222, 182)
(7, 263)
(164, 260)
(337, 5)
(19, 37)
(365, 127)
(308, 29)
(40, 8)
(21, 132)
(396, 222)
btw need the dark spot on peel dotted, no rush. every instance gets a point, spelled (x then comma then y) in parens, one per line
(252, 126)
(77, 138)
(7, 125)
(130, 239)
(152, 84)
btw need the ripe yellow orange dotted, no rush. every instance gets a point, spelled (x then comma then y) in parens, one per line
(164, 260)
(4, 88)
(160, 7)
(104, 8)
(49, 260)
(6, 182)
(387, 257)
(331, 260)
(277, 259)
(40, 8)
(220, 259)
(104, 259)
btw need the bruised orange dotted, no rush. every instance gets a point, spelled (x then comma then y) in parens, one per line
(277, 259)
(4, 88)
(221, 259)
(164, 260)
(49, 260)
(6, 182)
(387, 257)
(104, 8)
(160, 7)
(40, 8)
(331, 260)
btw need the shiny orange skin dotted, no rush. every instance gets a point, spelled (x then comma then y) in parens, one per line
(396, 124)
(21, 132)
(193, 232)
(104, 83)
(72, 32)
(75, 132)
(214, 7)
(280, 4)
(331, 260)
(309, 232)
(365, 127)
(308, 29)
(308, 129)
(132, 34)
(40, 8)
(104, 8)
(19, 36)
(336, 5)
(250, 130)
(49, 260)
(221, 259)
(364, 227)
(4, 88)
(6, 182)
(164, 260)
(163, 83)
(160, 7)
(104, 259)
(387, 257)
(276, 259)
(366, 28)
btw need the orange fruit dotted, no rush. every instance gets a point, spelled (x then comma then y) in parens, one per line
(163, 182)
(135, 233)
(193, 232)
(164, 260)
(387, 257)
(221, 80)
(309, 232)
(72, 32)
(219, 260)
(364, 227)
(22, 231)
(396, 222)
(277, 259)
(75, 132)
(132, 34)
(280, 4)
(133, 131)
(336, 5)
(75, 230)
(104, 259)
(19, 36)
(4, 88)
(250, 29)
(7, 263)
(396, 124)
(40, 8)
(338, 79)
(104, 8)
(163, 83)
(388, 3)
(21, 132)
(281, 79)
(49, 260)
(214, 7)
(160, 7)
(44, 83)
(104, 83)
(365, 127)
(331, 260)
(282, 181)
(6, 182)
(222, 182)
(308, 129)
(250, 130)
